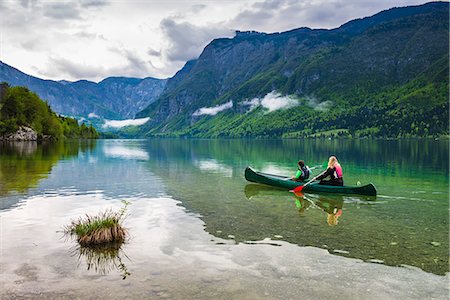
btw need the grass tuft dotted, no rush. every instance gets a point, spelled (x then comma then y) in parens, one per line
(101, 229)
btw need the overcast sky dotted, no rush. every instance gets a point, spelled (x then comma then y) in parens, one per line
(94, 39)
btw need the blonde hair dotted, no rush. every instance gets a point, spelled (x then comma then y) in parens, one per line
(332, 219)
(332, 161)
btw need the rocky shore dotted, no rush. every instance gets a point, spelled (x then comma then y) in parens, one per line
(22, 134)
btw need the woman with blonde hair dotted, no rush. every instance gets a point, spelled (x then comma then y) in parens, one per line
(334, 171)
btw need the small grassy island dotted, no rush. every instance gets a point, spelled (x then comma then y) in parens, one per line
(104, 229)
(24, 116)
(100, 239)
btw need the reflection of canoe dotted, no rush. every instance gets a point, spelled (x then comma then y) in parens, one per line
(253, 189)
(285, 182)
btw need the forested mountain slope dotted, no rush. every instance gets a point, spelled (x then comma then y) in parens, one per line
(384, 76)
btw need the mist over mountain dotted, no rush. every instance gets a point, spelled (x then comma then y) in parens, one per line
(384, 75)
(112, 98)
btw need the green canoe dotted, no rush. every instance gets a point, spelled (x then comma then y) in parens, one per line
(286, 182)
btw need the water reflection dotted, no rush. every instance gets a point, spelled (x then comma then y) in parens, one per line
(102, 259)
(366, 230)
(24, 164)
(331, 206)
(125, 152)
(408, 224)
(375, 157)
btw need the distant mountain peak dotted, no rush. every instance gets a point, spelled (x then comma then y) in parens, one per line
(64, 82)
(112, 98)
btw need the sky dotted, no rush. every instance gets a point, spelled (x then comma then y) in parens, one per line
(95, 39)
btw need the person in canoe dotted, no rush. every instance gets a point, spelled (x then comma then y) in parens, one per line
(334, 171)
(302, 172)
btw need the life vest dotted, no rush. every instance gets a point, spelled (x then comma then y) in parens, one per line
(337, 171)
(305, 171)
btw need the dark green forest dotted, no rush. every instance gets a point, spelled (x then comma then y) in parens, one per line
(21, 107)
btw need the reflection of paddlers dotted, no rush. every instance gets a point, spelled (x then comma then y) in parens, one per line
(333, 208)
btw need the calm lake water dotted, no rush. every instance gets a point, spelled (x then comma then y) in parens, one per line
(199, 230)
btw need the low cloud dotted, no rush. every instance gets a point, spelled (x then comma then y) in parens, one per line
(212, 111)
(272, 101)
(124, 123)
(320, 106)
(92, 115)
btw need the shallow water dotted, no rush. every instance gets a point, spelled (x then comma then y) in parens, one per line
(199, 230)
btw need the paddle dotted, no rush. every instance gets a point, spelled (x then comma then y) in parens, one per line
(300, 188)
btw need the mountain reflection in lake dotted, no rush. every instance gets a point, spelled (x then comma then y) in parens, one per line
(199, 230)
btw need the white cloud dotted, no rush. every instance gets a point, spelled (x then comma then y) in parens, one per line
(92, 115)
(275, 101)
(123, 123)
(212, 111)
(321, 106)
(272, 101)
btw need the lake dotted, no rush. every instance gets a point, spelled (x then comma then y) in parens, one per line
(200, 230)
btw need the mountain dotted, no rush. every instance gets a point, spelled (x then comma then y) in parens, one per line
(384, 75)
(112, 98)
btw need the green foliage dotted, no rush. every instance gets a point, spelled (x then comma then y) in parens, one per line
(21, 107)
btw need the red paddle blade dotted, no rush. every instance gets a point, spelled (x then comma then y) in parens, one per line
(298, 189)
(299, 195)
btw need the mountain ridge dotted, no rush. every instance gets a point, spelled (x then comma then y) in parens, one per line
(125, 96)
(373, 60)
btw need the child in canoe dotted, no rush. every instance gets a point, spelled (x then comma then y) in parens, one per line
(302, 172)
(334, 170)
